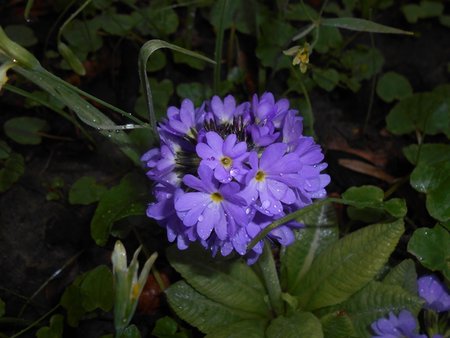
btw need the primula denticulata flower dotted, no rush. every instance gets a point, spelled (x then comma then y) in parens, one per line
(434, 292)
(225, 171)
(127, 284)
(403, 325)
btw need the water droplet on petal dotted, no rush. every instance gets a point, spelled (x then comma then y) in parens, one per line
(200, 218)
(265, 204)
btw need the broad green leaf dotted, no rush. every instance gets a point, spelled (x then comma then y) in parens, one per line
(130, 332)
(25, 129)
(116, 24)
(55, 330)
(123, 200)
(71, 300)
(297, 325)
(426, 112)
(21, 34)
(426, 9)
(245, 328)
(231, 283)
(361, 25)
(347, 265)
(329, 38)
(200, 311)
(2, 308)
(301, 12)
(5, 150)
(83, 36)
(396, 207)
(337, 325)
(86, 191)
(434, 180)
(167, 327)
(12, 170)
(72, 60)
(432, 248)
(319, 232)
(97, 289)
(326, 78)
(363, 62)
(158, 62)
(375, 301)
(429, 153)
(156, 20)
(364, 196)
(187, 60)
(240, 14)
(393, 86)
(195, 91)
(403, 275)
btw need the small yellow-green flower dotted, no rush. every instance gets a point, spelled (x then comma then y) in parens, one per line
(302, 58)
(3, 70)
(127, 285)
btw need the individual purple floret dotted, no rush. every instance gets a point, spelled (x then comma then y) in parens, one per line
(434, 292)
(403, 325)
(225, 171)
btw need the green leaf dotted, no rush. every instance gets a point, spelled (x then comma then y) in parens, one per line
(116, 24)
(434, 180)
(326, 78)
(158, 62)
(187, 60)
(25, 129)
(337, 325)
(21, 34)
(125, 199)
(403, 275)
(82, 35)
(319, 232)
(244, 328)
(200, 311)
(429, 153)
(71, 300)
(55, 330)
(97, 289)
(364, 196)
(72, 60)
(375, 301)
(145, 52)
(426, 9)
(231, 283)
(12, 170)
(329, 38)
(361, 25)
(363, 62)
(86, 191)
(432, 248)
(240, 14)
(426, 112)
(158, 20)
(393, 86)
(130, 332)
(347, 265)
(297, 325)
(2, 308)
(167, 327)
(5, 150)
(195, 91)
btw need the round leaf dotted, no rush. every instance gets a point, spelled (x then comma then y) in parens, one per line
(392, 86)
(85, 191)
(25, 130)
(432, 248)
(21, 34)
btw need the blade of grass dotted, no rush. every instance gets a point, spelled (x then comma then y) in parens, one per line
(219, 45)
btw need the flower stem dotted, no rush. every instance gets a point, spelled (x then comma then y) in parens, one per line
(219, 46)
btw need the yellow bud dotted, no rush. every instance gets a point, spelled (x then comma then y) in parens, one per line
(302, 58)
(3, 76)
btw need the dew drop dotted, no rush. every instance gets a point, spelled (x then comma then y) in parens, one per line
(265, 204)
(200, 218)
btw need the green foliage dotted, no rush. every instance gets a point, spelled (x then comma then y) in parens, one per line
(432, 248)
(130, 332)
(22, 34)
(25, 129)
(337, 325)
(347, 265)
(427, 153)
(86, 191)
(72, 60)
(361, 25)
(167, 327)
(326, 78)
(12, 169)
(196, 91)
(298, 325)
(90, 291)
(393, 86)
(125, 199)
(426, 9)
(55, 330)
(403, 275)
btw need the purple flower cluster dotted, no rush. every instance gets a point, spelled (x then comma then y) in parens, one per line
(224, 172)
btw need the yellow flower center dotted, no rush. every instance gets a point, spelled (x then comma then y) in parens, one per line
(226, 161)
(216, 197)
(260, 176)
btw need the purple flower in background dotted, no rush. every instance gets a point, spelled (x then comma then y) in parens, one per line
(225, 171)
(434, 292)
(399, 326)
